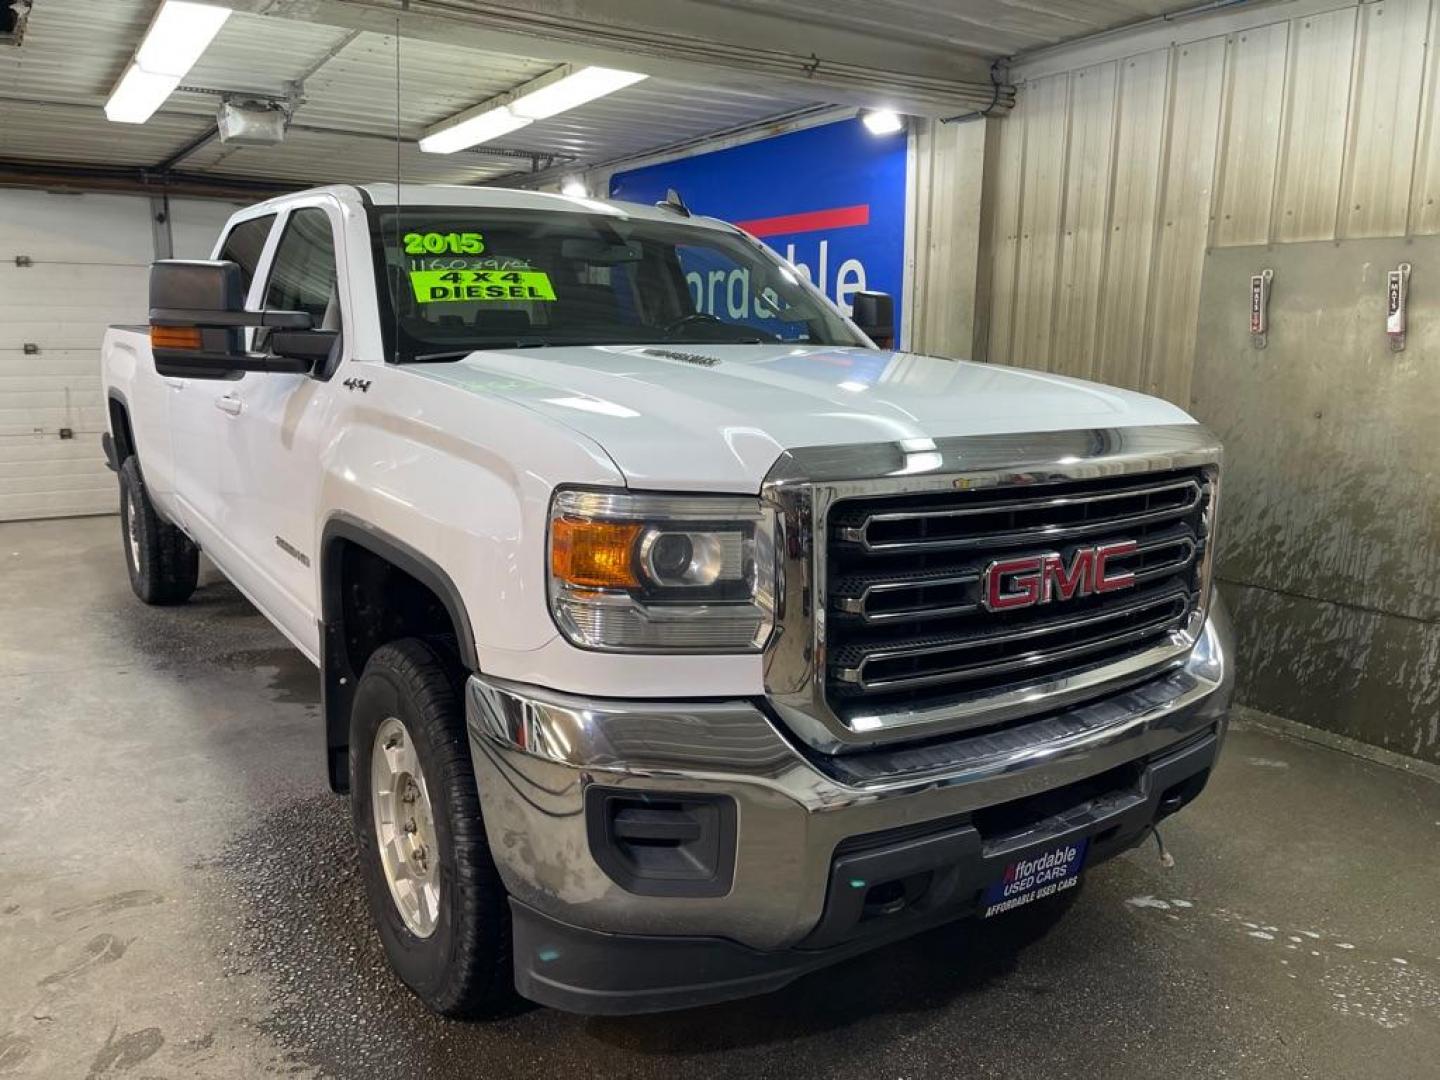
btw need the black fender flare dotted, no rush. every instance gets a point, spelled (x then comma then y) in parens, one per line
(337, 680)
(120, 444)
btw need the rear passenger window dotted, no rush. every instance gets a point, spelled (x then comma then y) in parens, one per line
(244, 244)
(303, 274)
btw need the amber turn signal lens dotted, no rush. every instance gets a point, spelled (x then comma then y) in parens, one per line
(594, 554)
(175, 337)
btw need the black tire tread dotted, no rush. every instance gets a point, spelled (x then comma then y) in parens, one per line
(479, 979)
(169, 566)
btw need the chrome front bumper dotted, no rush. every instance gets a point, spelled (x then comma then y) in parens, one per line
(537, 752)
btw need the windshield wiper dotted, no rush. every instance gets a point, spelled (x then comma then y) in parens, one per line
(457, 354)
(460, 354)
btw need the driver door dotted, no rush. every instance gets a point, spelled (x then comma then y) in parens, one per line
(270, 454)
(193, 408)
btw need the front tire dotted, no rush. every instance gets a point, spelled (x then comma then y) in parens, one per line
(436, 897)
(164, 565)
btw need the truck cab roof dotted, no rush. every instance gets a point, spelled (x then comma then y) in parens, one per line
(459, 195)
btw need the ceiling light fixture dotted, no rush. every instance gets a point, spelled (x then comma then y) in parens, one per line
(882, 121)
(178, 35)
(480, 128)
(585, 85)
(551, 94)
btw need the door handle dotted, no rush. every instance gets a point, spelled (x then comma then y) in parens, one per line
(175, 384)
(228, 404)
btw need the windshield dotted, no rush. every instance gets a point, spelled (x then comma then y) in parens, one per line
(464, 278)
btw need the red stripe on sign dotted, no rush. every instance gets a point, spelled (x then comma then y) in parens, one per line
(842, 217)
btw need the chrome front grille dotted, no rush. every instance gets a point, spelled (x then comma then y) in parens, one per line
(906, 626)
(881, 631)
(1011, 518)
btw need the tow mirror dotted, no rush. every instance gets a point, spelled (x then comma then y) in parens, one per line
(875, 315)
(197, 314)
(314, 346)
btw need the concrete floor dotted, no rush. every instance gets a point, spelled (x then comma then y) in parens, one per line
(178, 899)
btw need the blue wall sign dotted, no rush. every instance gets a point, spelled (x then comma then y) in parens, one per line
(831, 199)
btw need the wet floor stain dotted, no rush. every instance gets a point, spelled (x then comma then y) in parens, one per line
(100, 950)
(14, 1049)
(1360, 983)
(291, 907)
(111, 905)
(126, 1051)
(291, 679)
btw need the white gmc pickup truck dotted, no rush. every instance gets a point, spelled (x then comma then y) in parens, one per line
(675, 639)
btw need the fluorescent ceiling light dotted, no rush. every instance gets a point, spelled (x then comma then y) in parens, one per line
(551, 95)
(575, 188)
(585, 85)
(477, 129)
(882, 121)
(137, 96)
(179, 34)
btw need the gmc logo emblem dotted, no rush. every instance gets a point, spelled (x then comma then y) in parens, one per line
(1008, 584)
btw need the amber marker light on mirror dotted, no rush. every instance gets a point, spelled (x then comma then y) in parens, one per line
(175, 337)
(594, 554)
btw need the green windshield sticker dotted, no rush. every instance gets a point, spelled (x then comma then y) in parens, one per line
(435, 243)
(439, 286)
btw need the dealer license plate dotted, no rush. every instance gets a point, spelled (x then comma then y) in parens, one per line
(1034, 878)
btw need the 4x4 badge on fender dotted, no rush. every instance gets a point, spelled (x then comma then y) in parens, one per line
(363, 385)
(1008, 584)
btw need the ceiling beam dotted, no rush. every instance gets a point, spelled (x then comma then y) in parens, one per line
(138, 180)
(688, 41)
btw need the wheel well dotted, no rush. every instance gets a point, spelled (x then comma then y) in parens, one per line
(375, 590)
(120, 431)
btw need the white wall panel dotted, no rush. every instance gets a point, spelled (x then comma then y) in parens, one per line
(195, 225)
(89, 229)
(88, 257)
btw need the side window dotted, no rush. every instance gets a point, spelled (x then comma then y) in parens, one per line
(243, 246)
(303, 275)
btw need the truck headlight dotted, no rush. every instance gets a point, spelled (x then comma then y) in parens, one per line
(662, 573)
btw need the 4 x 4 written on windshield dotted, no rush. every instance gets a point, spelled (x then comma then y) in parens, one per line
(440, 280)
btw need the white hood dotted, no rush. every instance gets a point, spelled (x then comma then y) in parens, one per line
(716, 417)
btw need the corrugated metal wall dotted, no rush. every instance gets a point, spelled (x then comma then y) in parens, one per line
(1304, 137)
(1112, 179)
(945, 294)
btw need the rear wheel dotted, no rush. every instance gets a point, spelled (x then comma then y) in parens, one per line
(164, 565)
(437, 899)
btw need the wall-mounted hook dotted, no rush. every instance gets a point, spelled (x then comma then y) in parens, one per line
(1260, 307)
(1397, 293)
